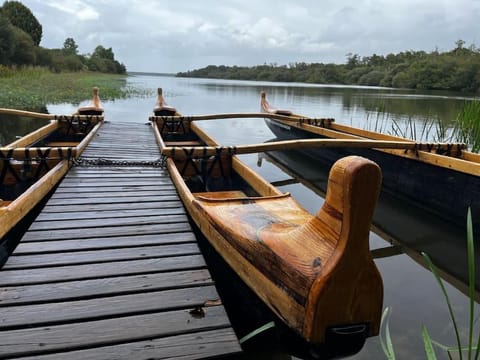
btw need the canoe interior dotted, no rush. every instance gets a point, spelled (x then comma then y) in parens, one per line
(211, 174)
(71, 130)
(19, 171)
(27, 161)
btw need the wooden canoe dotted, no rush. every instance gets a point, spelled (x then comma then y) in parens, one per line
(444, 180)
(315, 272)
(31, 166)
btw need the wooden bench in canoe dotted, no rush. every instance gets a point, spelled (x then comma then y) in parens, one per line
(315, 272)
(31, 166)
(442, 178)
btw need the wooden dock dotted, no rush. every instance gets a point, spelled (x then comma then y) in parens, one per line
(110, 269)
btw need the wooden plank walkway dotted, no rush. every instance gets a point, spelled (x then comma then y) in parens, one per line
(110, 269)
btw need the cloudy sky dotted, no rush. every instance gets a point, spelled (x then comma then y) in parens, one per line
(180, 35)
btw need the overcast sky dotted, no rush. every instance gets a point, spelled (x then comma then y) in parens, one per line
(181, 35)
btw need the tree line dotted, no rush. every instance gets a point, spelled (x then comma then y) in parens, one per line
(457, 70)
(20, 36)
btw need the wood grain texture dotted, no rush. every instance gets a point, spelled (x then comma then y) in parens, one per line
(294, 261)
(105, 307)
(38, 247)
(99, 255)
(92, 271)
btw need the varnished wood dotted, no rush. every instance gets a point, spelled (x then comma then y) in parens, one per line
(16, 210)
(299, 264)
(37, 115)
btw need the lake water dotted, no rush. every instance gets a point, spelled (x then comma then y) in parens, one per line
(410, 291)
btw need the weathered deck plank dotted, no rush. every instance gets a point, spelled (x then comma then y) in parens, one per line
(41, 340)
(85, 289)
(197, 345)
(111, 267)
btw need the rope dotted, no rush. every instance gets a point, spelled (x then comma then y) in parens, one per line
(158, 163)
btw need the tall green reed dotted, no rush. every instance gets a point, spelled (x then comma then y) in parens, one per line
(467, 125)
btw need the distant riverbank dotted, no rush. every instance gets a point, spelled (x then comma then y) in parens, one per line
(34, 88)
(455, 70)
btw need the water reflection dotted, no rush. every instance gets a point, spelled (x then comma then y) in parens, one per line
(12, 127)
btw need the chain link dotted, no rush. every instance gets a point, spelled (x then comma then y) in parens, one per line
(158, 163)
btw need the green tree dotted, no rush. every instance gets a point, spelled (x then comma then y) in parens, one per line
(70, 47)
(43, 56)
(7, 40)
(24, 49)
(21, 17)
(103, 60)
(373, 78)
(103, 53)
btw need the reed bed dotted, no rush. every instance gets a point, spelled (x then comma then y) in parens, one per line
(34, 88)
(464, 129)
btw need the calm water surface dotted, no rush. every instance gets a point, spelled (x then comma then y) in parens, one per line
(409, 290)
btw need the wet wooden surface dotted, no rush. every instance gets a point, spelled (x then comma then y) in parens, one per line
(111, 269)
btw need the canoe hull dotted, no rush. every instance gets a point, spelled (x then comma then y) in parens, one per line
(442, 191)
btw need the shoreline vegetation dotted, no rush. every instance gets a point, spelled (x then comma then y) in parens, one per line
(454, 70)
(34, 88)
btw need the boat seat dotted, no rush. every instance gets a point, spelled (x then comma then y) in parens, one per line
(282, 112)
(220, 195)
(62, 143)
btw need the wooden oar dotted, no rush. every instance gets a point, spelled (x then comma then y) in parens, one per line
(228, 116)
(183, 152)
(26, 113)
(45, 116)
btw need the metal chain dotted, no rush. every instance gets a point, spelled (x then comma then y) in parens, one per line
(158, 163)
